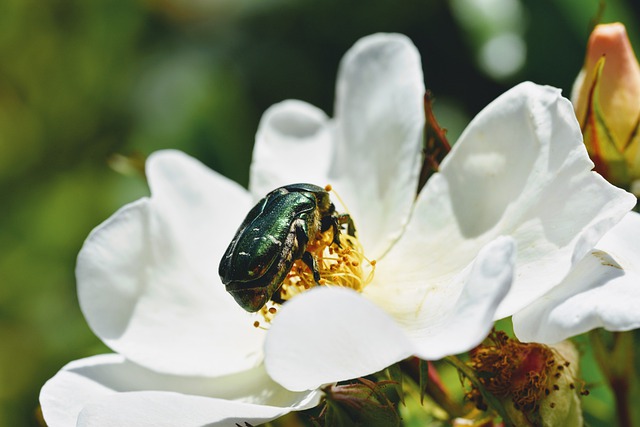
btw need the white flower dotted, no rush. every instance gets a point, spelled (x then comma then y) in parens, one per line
(443, 272)
(187, 354)
(148, 286)
(603, 290)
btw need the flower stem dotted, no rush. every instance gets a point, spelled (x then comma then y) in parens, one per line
(489, 398)
(617, 367)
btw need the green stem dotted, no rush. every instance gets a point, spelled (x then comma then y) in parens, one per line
(617, 367)
(620, 388)
(489, 398)
(600, 353)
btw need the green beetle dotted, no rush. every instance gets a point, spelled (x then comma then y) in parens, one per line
(272, 237)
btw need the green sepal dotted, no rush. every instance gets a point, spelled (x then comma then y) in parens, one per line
(604, 150)
(335, 416)
(395, 375)
(364, 403)
(489, 398)
(423, 367)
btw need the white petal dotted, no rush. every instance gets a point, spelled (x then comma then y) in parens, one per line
(379, 125)
(603, 290)
(294, 144)
(199, 207)
(147, 277)
(420, 279)
(520, 169)
(114, 391)
(331, 334)
(445, 305)
(484, 285)
(157, 409)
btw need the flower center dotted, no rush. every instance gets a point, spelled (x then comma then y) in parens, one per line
(344, 266)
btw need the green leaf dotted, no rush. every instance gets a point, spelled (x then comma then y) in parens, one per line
(423, 366)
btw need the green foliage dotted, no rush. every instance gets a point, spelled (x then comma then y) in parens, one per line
(396, 377)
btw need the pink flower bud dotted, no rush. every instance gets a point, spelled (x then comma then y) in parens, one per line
(607, 98)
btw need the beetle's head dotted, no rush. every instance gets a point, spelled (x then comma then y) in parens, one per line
(325, 206)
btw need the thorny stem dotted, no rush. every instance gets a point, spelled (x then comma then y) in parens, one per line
(434, 387)
(488, 397)
(617, 367)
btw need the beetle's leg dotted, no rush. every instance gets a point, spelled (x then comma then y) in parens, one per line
(307, 258)
(346, 219)
(336, 231)
(335, 221)
(277, 298)
(310, 260)
(331, 221)
(326, 222)
(301, 235)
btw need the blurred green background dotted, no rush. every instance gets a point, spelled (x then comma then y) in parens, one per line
(83, 80)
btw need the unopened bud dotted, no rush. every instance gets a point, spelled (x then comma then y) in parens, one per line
(606, 97)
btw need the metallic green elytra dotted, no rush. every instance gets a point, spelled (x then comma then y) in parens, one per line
(271, 238)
